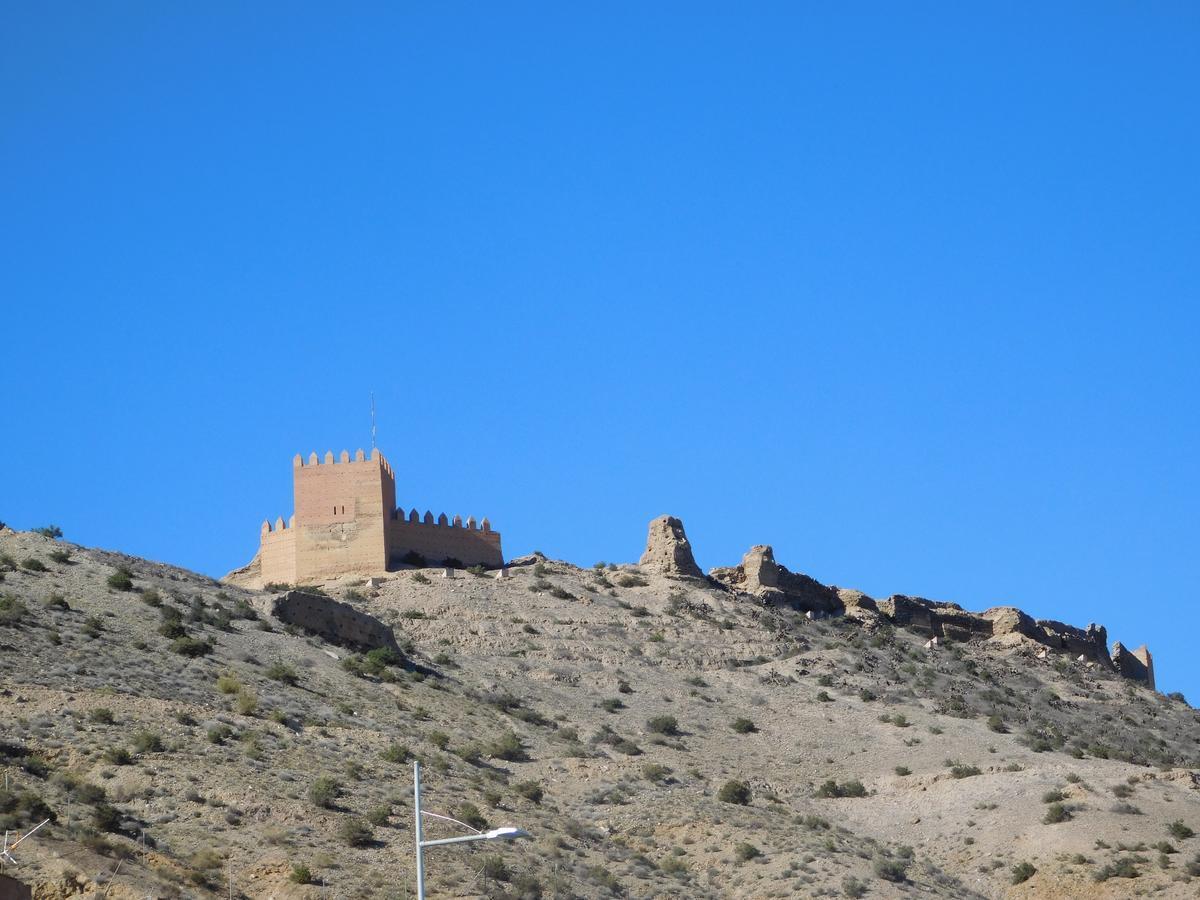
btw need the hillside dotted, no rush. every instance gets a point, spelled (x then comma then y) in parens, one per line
(660, 735)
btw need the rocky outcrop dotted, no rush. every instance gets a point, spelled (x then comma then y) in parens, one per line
(668, 550)
(1136, 664)
(760, 575)
(339, 623)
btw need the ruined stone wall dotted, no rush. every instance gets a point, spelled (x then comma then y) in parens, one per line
(338, 622)
(1142, 655)
(341, 510)
(1091, 642)
(443, 538)
(1137, 664)
(761, 577)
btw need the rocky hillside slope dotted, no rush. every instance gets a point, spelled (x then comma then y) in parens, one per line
(660, 733)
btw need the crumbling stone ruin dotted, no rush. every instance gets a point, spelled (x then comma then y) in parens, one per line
(338, 623)
(1138, 664)
(668, 550)
(759, 576)
(346, 523)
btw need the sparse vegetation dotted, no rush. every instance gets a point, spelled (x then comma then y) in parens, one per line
(395, 753)
(1180, 831)
(655, 772)
(282, 673)
(12, 610)
(852, 887)
(894, 870)
(118, 756)
(1121, 868)
(744, 852)
(324, 792)
(1056, 813)
(662, 725)
(734, 791)
(530, 790)
(246, 702)
(146, 741)
(508, 747)
(355, 832)
(228, 683)
(121, 579)
(190, 646)
(832, 788)
(1022, 872)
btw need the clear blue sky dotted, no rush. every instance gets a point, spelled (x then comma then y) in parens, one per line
(910, 294)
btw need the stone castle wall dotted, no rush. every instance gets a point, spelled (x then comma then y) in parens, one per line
(443, 539)
(346, 522)
(277, 552)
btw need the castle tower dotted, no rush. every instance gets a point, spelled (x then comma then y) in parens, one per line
(342, 508)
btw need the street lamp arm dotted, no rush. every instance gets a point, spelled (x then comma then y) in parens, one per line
(496, 834)
(461, 839)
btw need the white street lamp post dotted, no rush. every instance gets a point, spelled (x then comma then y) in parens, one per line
(496, 834)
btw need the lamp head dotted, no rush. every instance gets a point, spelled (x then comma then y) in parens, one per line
(506, 834)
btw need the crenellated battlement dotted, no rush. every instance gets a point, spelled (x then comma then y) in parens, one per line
(343, 458)
(269, 530)
(347, 521)
(415, 518)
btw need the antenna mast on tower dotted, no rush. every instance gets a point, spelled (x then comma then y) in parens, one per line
(372, 421)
